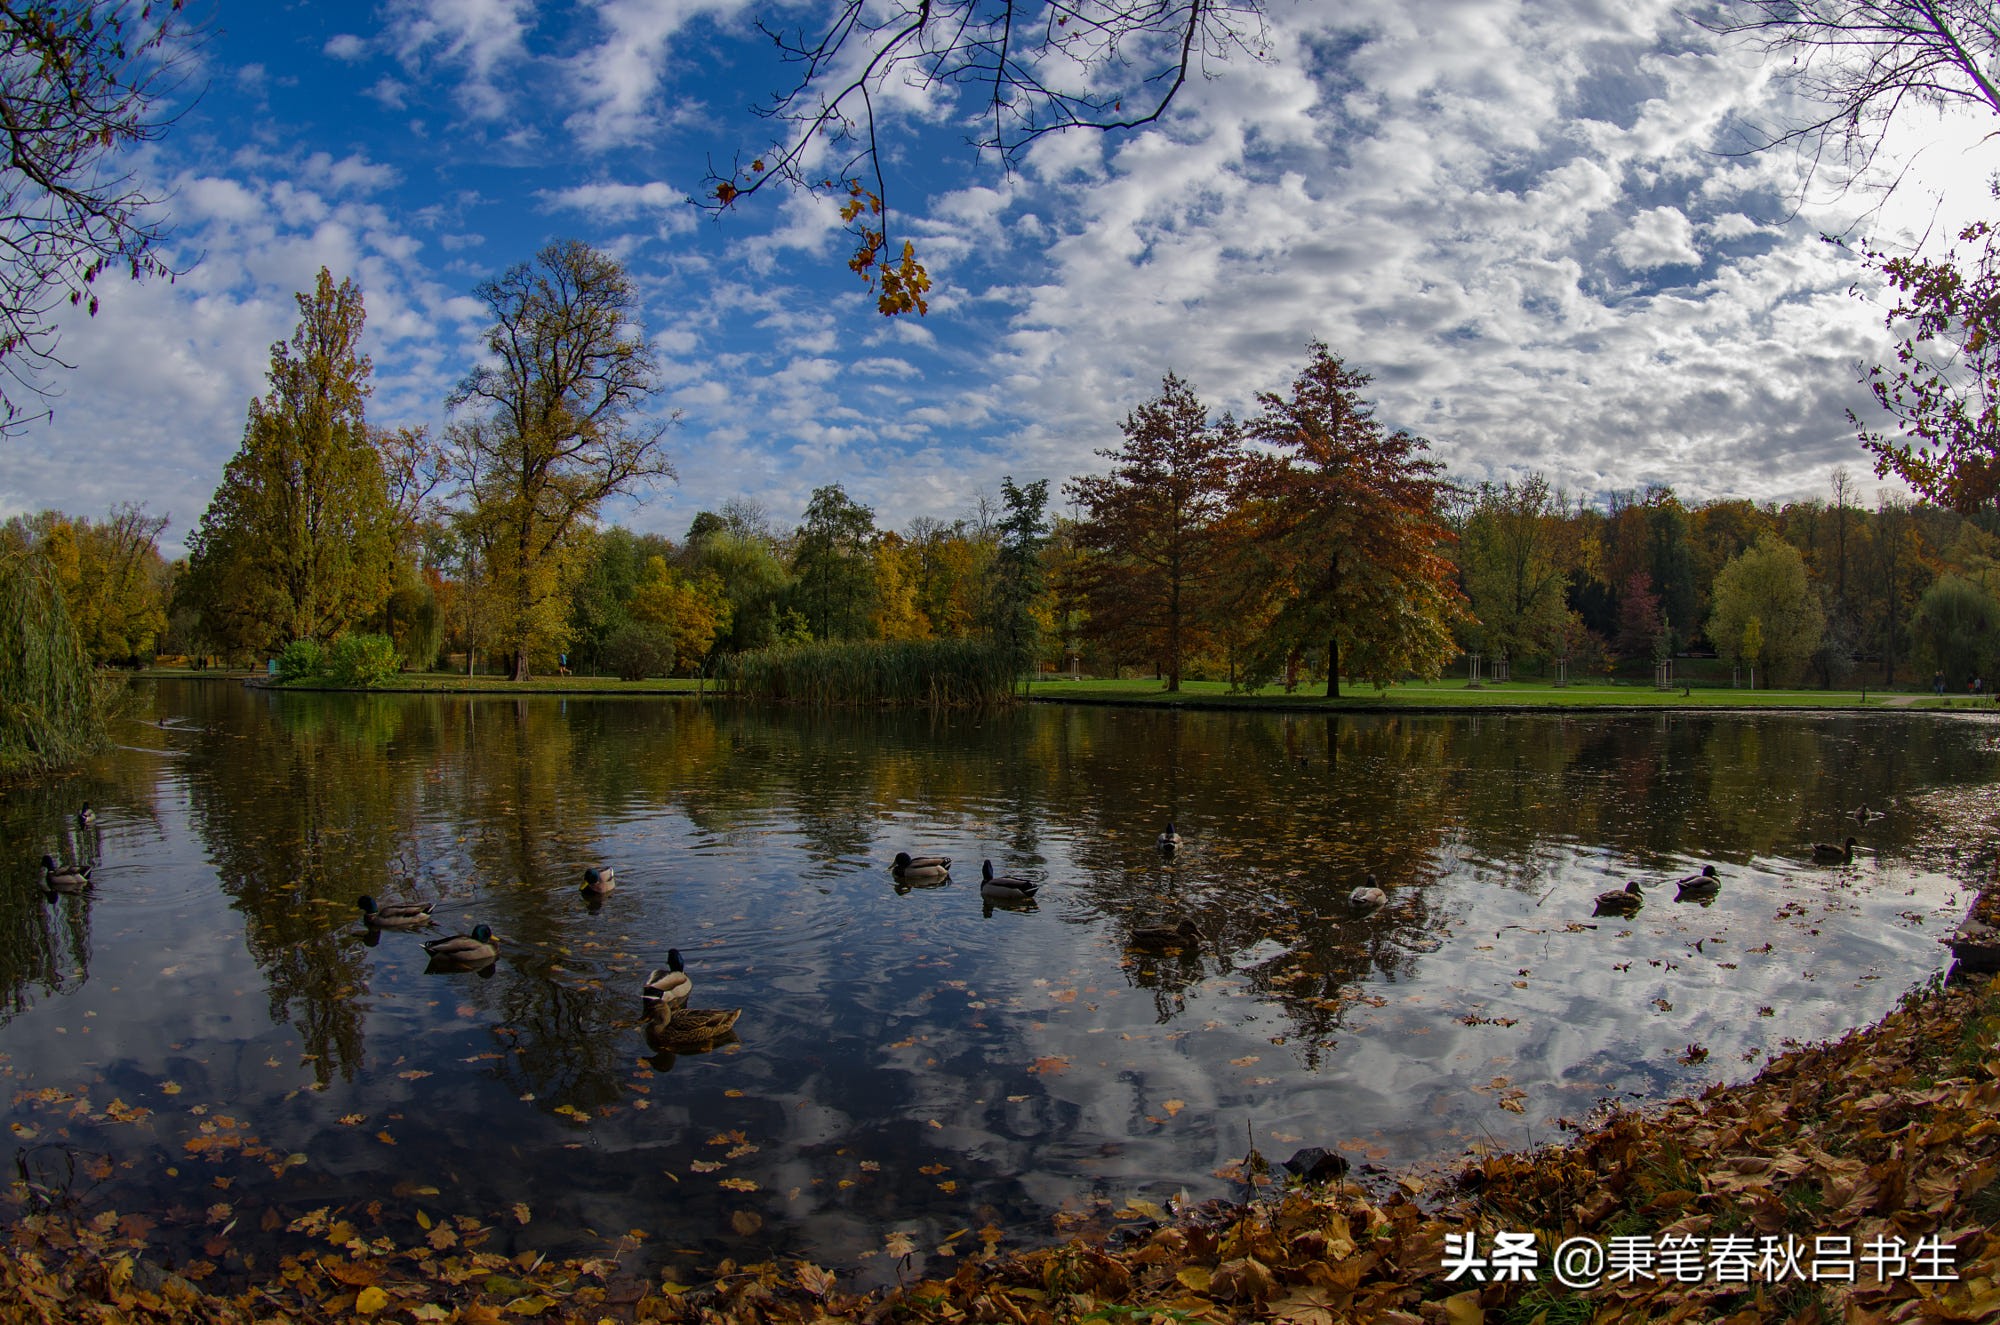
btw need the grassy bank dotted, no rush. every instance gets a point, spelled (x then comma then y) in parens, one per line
(1893, 1132)
(457, 683)
(1455, 694)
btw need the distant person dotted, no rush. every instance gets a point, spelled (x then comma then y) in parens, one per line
(1937, 681)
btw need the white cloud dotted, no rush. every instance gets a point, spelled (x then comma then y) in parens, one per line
(481, 37)
(345, 46)
(1660, 237)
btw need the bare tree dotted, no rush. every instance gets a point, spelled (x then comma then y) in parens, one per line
(1024, 70)
(80, 81)
(559, 429)
(1860, 62)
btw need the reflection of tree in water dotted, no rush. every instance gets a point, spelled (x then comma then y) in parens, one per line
(302, 808)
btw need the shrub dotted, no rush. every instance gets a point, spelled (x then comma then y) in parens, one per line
(50, 711)
(362, 660)
(301, 660)
(639, 649)
(938, 673)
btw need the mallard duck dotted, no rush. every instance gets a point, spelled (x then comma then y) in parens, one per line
(1000, 888)
(1862, 814)
(1165, 938)
(919, 868)
(1368, 895)
(688, 1030)
(64, 879)
(468, 950)
(86, 816)
(1700, 887)
(1169, 841)
(599, 879)
(396, 915)
(1624, 901)
(1828, 854)
(669, 985)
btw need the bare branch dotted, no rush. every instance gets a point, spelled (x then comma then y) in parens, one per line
(1035, 68)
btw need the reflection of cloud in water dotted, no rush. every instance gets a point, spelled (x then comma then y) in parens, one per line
(916, 1060)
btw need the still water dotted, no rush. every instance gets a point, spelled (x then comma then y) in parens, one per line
(208, 1034)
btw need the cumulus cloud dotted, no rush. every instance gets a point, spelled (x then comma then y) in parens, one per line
(1660, 237)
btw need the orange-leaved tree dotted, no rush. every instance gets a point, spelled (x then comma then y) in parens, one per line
(1156, 522)
(1349, 516)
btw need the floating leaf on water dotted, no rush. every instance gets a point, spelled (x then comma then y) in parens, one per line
(737, 1184)
(370, 1300)
(745, 1222)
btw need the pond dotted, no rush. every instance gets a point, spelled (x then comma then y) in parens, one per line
(209, 1038)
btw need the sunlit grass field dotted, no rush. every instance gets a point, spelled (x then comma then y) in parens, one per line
(1455, 693)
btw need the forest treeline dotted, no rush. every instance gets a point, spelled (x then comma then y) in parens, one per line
(1308, 542)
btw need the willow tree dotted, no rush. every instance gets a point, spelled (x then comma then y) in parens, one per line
(49, 715)
(1157, 523)
(299, 540)
(558, 429)
(1347, 513)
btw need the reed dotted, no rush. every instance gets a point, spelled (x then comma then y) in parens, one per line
(952, 673)
(51, 714)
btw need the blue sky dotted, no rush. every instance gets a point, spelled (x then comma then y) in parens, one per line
(1514, 215)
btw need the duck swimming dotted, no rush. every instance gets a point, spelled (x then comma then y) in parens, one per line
(64, 878)
(1165, 938)
(1701, 887)
(464, 950)
(396, 915)
(1828, 854)
(1169, 841)
(675, 1030)
(1624, 901)
(920, 869)
(1001, 888)
(1368, 895)
(670, 985)
(599, 879)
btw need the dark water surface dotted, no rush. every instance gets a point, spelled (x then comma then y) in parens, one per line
(206, 1037)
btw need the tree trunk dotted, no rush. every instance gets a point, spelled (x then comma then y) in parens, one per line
(1333, 667)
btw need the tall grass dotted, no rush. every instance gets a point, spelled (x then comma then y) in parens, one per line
(938, 673)
(50, 712)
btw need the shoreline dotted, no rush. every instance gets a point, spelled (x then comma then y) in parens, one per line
(1522, 698)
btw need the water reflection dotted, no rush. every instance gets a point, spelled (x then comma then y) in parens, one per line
(919, 1057)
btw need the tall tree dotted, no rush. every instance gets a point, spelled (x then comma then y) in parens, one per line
(1350, 514)
(111, 575)
(835, 565)
(1766, 610)
(1018, 580)
(1519, 548)
(81, 81)
(299, 540)
(559, 427)
(1957, 629)
(1156, 518)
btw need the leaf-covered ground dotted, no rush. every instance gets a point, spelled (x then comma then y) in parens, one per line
(1890, 1136)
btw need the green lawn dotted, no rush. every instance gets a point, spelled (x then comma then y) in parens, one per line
(1456, 694)
(1447, 694)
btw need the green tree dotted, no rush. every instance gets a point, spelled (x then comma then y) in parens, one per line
(1017, 586)
(111, 575)
(755, 584)
(693, 611)
(50, 715)
(558, 430)
(1767, 585)
(1518, 550)
(1348, 513)
(833, 564)
(299, 540)
(1957, 629)
(1156, 522)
